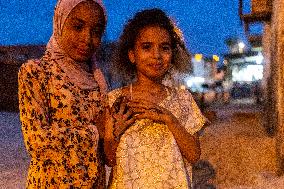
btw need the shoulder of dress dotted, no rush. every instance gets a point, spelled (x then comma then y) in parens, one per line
(173, 90)
(184, 94)
(114, 92)
(182, 90)
(33, 68)
(32, 64)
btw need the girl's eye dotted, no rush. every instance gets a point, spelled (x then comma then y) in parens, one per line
(166, 48)
(146, 46)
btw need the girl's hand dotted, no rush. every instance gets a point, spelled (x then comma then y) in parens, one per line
(188, 144)
(147, 110)
(121, 116)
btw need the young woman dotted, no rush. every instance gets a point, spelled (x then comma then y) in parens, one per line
(61, 102)
(150, 137)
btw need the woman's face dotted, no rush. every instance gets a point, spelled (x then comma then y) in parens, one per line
(82, 31)
(152, 52)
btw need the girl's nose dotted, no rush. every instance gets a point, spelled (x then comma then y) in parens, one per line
(156, 52)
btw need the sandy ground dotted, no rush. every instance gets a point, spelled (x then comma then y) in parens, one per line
(13, 157)
(239, 149)
(235, 144)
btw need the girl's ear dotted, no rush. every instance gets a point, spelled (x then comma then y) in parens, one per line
(131, 56)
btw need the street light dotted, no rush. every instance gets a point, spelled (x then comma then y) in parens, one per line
(216, 58)
(241, 47)
(259, 58)
(198, 57)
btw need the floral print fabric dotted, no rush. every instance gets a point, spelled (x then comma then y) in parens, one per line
(59, 125)
(148, 155)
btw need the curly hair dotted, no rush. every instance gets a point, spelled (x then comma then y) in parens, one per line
(146, 18)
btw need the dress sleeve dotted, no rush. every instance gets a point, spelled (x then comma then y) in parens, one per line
(38, 136)
(195, 119)
(42, 138)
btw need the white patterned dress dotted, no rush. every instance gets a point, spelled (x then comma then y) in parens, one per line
(148, 155)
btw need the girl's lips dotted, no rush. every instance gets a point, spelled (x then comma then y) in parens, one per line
(157, 66)
(83, 52)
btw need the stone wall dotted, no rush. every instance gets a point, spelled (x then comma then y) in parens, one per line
(275, 79)
(279, 87)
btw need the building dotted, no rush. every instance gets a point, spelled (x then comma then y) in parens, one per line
(270, 13)
(244, 68)
(204, 72)
(11, 58)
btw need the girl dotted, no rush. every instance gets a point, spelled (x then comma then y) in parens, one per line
(61, 102)
(151, 139)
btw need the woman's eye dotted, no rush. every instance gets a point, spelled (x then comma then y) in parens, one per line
(78, 27)
(98, 31)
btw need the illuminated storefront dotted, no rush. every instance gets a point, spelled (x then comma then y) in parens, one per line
(249, 69)
(245, 67)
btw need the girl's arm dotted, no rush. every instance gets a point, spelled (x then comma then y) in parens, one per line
(188, 144)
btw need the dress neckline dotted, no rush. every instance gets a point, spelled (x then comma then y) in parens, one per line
(168, 93)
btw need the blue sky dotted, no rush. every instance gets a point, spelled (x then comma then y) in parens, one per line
(205, 23)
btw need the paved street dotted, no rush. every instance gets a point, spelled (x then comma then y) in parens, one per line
(239, 149)
(235, 144)
(13, 157)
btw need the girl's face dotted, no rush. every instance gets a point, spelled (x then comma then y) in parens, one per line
(82, 31)
(152, 52)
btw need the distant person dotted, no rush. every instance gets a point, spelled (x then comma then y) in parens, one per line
(61, 102)
(152, 132)
(218, 85)
(257, 92)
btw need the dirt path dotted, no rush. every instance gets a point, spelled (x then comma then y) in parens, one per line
(13, 157)
(239, 149)
(235, 144)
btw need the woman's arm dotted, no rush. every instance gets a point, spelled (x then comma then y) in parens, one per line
(37, 132)
(43, 138)
(110, 144)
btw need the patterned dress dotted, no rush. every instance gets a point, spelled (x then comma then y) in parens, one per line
(148, 156)
(59, 128)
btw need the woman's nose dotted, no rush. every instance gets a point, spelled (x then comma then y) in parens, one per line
(87, 37)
